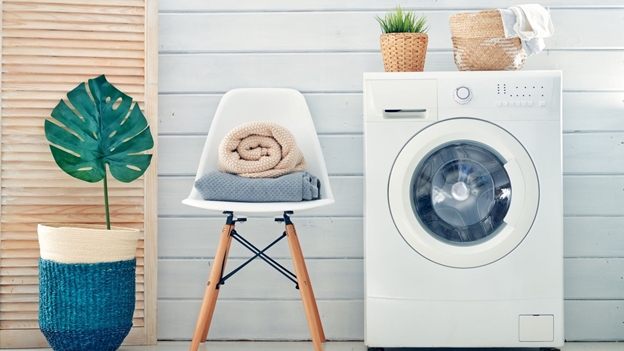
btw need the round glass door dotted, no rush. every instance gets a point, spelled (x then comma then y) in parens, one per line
(463, 192)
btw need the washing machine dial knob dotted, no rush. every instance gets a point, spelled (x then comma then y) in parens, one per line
(462, 95)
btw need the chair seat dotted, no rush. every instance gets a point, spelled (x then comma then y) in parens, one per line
(250, 208)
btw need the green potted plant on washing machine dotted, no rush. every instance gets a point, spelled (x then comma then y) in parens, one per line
(87, 272)
(403, 40)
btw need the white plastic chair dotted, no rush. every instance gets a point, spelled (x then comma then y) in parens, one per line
(288, 108)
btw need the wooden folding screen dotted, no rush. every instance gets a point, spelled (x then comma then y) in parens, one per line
(49, 47)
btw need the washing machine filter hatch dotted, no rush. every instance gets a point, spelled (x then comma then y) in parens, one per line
(461, 193)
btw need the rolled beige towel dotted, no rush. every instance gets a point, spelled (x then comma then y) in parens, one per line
(260, 150)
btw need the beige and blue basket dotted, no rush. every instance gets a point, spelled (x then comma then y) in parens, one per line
(86, 287)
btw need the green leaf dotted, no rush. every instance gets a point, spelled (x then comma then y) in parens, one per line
(102, 128)
(398, 21)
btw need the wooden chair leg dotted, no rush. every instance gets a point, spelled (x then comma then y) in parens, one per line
(305, 288)
(212, 292)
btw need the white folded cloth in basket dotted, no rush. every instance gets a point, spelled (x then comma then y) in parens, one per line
(531, 23)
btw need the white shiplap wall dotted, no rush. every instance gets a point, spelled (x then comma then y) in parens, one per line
(321, 48)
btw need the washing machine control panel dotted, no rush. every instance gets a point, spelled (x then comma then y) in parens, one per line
(514, 95)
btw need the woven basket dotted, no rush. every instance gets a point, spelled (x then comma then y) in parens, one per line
(404, 52)
(87, 283)
(479, 43)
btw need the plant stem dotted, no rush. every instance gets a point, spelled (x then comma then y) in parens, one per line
(106, 200)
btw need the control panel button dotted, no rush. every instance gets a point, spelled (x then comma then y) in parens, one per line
(529, 103)
(462, 95)
(542, 103)
(499, 103)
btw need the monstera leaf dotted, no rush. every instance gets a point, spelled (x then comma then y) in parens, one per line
(100, 127)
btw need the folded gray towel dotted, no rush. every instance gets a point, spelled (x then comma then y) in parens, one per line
(293, 187)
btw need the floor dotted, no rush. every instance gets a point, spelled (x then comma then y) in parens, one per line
(331, 346)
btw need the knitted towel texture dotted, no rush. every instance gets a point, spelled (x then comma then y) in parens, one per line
(260, 150)
(86, 307)
(293, 187)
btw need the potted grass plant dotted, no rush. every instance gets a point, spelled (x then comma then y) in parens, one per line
(403, 40)
(87, 272)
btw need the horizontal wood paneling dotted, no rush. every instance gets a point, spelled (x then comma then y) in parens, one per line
(593, 153)
(268, 320)
(594, 278)
(334, 279)
(192, 114)
(583, 154)
(342, 72)
(352, 31)
(593, 320)
(593, 195)
(593, 236)
(209, 47)
(180, 155)
(329, 5)
(593, 111)
(342, 112)
(320, 237)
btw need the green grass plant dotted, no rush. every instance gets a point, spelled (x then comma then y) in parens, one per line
(399, 21)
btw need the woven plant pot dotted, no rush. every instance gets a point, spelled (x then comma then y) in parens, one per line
(86, 286)
(479, 43)
(404, 52)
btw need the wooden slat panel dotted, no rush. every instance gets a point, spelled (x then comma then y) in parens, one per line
(70, 61)
(52, 25)
(69, 71)
(123, 3)
(65, 8)
(38, 78)
(71, 17)
(74, 52)
(48, 48)
(71, 209)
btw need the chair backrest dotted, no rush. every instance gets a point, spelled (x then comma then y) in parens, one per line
(286, 107)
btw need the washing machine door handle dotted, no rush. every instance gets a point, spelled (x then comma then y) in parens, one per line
(518, 192)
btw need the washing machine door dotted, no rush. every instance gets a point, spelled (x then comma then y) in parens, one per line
(463, 192)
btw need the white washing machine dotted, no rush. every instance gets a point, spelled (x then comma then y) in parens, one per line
(463, 209)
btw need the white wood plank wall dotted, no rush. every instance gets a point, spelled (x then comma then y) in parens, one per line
(321, 48)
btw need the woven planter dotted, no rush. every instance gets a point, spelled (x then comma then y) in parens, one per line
(86, 286)
(479, 43)
(404, 52)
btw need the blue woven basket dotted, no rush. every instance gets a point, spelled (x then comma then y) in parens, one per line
(86, 307)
